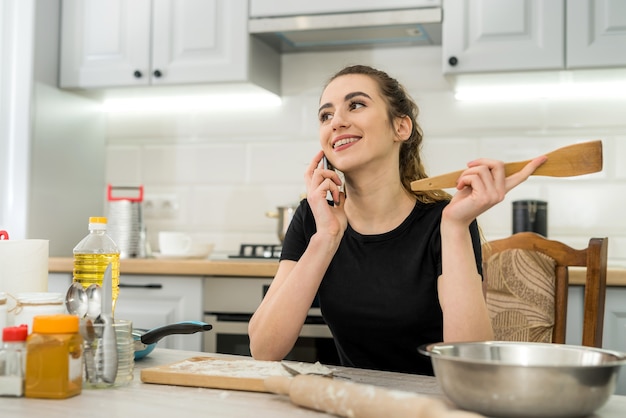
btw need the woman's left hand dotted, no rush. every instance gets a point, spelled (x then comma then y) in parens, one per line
(484, 185)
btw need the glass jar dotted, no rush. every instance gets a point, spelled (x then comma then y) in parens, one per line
(3, 310)
(54, 358)
(31, 304)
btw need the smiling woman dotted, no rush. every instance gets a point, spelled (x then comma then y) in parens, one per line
(393, 268)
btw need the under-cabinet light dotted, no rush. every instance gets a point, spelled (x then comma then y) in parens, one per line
(536, 85)
(192, 103)
(542, 91)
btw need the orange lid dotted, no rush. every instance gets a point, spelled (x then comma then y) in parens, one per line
(55, 324)
(97, 220)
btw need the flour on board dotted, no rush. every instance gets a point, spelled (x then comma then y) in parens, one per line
(255, 369)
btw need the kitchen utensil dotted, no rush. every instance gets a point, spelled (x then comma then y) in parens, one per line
(518, 379)
(211, 372)
(284, 214)
(316, 369)
(106, 353)
(572, 160)
(145, 341)
(76, 300)
(88, 333)
(4, 235)
(356, 400)
(94, 297)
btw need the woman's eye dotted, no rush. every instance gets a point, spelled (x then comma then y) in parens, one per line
(356, 105)
(325, 116)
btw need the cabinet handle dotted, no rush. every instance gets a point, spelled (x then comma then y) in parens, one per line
(142, 286)
(157, 73)
(137, 74)
(453, 61)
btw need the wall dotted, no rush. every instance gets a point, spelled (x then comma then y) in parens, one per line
(228, 169)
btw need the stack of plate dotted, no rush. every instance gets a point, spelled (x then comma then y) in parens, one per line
(126, 227)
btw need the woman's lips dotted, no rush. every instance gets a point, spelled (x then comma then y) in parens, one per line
(344, 141)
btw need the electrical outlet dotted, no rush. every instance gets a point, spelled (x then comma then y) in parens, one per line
(164, 206)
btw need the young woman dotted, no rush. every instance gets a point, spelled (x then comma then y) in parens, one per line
(394, 269)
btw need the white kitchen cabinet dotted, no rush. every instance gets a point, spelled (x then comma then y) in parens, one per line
(596, 33)
(614, 330)
(153, 301)
(614, 337)
(161, 42)
(520, 35)
(266, 8)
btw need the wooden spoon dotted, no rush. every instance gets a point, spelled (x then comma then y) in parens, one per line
(572, 160)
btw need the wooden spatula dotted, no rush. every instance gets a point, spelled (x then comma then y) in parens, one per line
(572, 160)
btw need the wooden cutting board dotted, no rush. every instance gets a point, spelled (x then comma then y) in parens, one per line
(212, 372)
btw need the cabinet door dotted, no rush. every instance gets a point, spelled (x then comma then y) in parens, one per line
(105, 43)
(198, 41)
(154, 301)
(502, 35)
(614, 331)
(596, 33)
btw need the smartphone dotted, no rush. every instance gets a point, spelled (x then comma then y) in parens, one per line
(327, 166)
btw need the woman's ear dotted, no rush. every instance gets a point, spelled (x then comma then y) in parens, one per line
(403, 126)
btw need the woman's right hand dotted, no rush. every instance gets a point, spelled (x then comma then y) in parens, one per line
(330, 219)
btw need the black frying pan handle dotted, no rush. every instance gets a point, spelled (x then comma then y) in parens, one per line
(186, 327)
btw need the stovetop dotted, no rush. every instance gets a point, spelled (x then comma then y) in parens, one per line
(258, 251)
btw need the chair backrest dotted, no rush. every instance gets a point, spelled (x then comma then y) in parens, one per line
(594, 258)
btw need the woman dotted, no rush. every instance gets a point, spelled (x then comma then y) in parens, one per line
(394, 269)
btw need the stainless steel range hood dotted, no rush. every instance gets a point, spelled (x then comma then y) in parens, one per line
(420, 26)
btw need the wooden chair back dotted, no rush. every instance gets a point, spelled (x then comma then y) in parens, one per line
(594, 258)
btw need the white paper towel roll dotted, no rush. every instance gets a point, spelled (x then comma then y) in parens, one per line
(23, 267)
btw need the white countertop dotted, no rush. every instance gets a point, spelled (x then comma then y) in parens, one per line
(160, 401)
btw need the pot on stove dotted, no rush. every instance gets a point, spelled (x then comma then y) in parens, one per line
(284, 214)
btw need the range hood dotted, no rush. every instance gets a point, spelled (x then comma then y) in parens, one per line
(420, 26)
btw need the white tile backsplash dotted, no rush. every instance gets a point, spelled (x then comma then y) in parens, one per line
(227, 169)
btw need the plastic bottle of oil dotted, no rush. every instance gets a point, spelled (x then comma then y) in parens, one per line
(93, 254)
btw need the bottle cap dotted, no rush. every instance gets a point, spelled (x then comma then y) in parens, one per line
(13, 334)
(98, 222)
(53, 324)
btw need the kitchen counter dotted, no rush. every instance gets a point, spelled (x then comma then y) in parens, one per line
(182, 267)
(160, 401)
(253, 268)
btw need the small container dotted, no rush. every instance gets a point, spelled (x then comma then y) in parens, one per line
(31, 304)
(54, 358)
(13, 361)
(530, 215)
(3, 310)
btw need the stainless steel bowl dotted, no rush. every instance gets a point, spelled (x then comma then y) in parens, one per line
(514, 379)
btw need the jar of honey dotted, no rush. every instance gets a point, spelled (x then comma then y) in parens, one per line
(54, 357)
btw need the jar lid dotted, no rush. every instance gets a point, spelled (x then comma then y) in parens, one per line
(52, 324)
(40, 298)
(13, 334)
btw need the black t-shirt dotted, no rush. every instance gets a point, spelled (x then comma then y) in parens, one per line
(379, 294)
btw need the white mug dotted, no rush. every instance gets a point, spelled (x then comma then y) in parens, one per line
(174, 243)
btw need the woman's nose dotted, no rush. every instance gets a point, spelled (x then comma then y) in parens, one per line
(339, 120)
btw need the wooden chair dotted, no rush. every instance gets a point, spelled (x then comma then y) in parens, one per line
(594, 258)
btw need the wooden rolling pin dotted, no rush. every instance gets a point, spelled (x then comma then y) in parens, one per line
(355, 400)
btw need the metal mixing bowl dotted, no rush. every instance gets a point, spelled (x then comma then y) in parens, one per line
(515, 379)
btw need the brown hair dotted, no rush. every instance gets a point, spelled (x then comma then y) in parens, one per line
(400, 104)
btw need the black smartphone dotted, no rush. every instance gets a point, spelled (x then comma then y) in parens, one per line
(327, 166)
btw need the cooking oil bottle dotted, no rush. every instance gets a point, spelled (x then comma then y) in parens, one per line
(93, 254)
